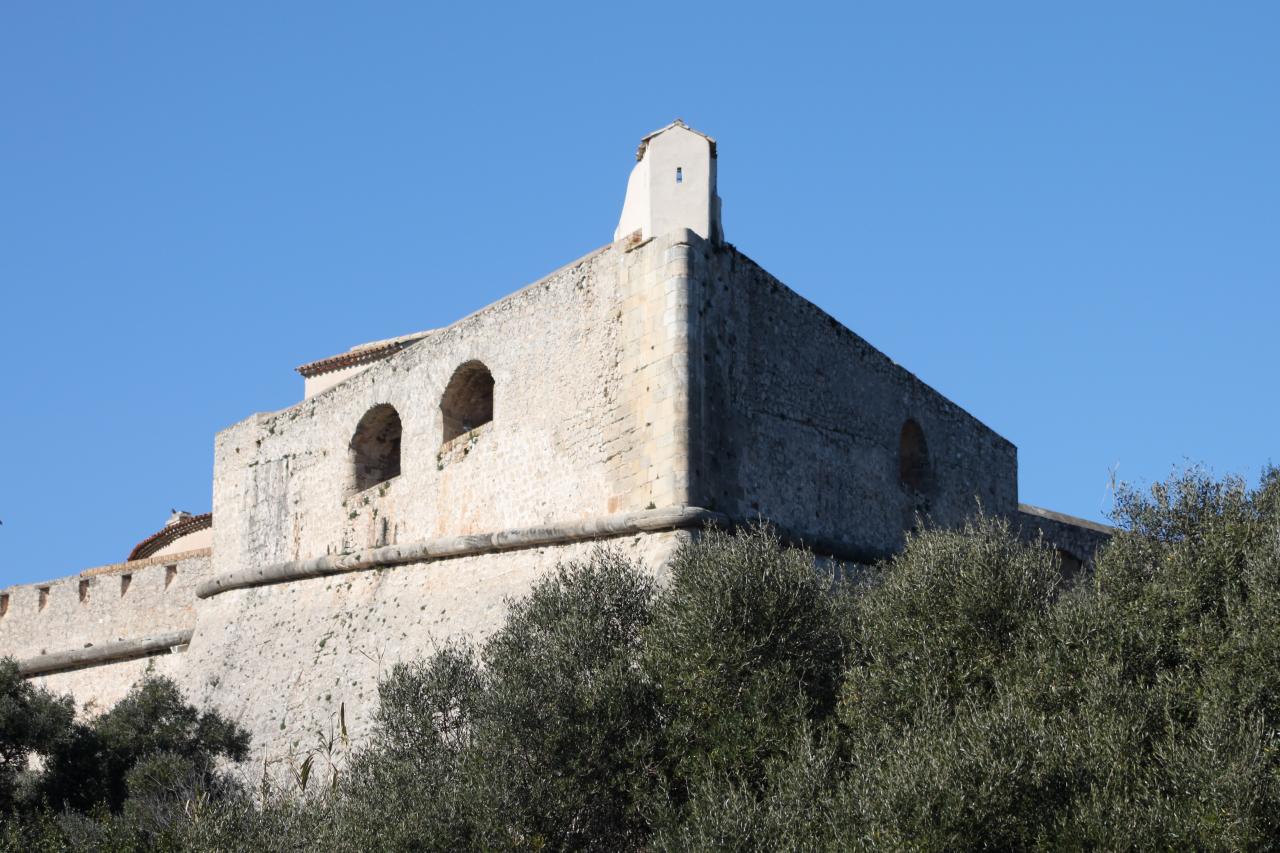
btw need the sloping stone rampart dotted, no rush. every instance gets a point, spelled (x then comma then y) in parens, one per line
(1076, 539)
(282, 659)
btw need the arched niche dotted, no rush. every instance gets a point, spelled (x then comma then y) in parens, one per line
(467, 401)
(375, 447)
(915, 470)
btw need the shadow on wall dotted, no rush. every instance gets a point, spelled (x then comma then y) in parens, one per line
(915, 471)
(375, 448)
(468, 400)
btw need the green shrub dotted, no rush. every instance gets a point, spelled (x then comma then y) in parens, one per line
(32, 722)
(152, 738)
(125, 780)
(745, 648)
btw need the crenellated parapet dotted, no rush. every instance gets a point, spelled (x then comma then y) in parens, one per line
(104, 615)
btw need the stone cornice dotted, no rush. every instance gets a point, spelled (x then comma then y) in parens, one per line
(131, 565)
(604, 527)
(121, 650)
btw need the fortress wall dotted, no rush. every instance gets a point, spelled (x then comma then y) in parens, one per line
(589, 419)
(282, 659)
(801, 418)
(120, 602)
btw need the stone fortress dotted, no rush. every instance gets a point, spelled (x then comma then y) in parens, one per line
(659, 384)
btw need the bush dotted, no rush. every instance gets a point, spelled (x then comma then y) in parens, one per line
(125, 780)
(152, 745)
(746, 648)
(32, 721)
(1137, 709)
(540, 737)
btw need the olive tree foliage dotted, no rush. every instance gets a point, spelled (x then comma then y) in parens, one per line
(591, 717)
(957, 696)
(960, 695)
(152, 744)
(544, 736)
(32, 722)
(1136, 709)
(122, 779)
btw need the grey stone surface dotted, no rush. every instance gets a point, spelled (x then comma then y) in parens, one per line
(282, 659)
(105, 605)
(799, 420)
(1077, 540)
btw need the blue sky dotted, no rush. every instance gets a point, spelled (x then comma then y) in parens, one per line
(1065, 218)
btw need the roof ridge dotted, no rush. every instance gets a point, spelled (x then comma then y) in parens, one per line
(170, 533)
(679, 122)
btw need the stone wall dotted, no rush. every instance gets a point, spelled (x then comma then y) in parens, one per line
(646, 377)
(590, 391)
(99, 610)
(282, 659)
(1077, 540)
(800, 419)
(123, 601)
(97, 688)
(588, 408)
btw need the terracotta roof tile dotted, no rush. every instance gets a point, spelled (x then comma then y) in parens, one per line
(169, 534)
(363, 354)
(348, 359)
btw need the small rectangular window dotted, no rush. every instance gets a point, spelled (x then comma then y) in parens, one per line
(125, 580)
(679, 175)
(4, 603)
(44, 597)
(170, 572)
(84, 591)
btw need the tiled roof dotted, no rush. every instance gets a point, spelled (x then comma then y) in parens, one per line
(364, 354)
(169, 534)
(348, 359)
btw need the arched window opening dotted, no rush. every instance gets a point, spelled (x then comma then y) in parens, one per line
(468, 400)
(914, 469)
(375, 447)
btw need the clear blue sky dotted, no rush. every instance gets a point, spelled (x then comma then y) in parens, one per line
(1065, 219)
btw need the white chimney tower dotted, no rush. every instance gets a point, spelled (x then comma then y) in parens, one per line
(673, 185)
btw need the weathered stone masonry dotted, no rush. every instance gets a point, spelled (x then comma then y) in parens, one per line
(660, 383)
(95, 633)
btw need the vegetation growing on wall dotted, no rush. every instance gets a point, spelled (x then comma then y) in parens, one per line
(957, 696)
